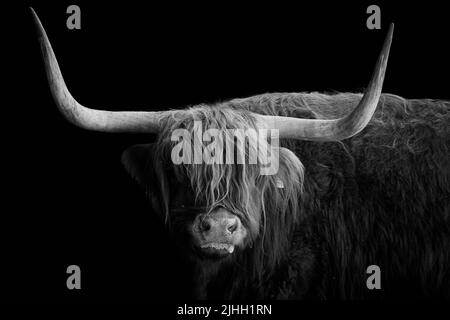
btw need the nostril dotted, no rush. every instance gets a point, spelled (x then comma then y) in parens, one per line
(232, 226)
(205, 225)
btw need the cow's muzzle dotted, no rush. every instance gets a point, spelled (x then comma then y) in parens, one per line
(218, 233)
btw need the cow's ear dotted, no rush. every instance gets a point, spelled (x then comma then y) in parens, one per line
(137, 160)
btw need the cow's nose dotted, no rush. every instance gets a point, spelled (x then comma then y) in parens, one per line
(218, 230)
(218, 223)
(211, 224)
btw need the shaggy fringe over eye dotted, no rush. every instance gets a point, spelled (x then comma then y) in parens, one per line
(239, 188)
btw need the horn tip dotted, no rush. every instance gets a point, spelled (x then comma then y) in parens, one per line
(38, 25)
(391, 29)
(33, 13)
(388, 41)
(390, 33)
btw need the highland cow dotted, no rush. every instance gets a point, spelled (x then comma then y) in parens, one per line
(363, 179)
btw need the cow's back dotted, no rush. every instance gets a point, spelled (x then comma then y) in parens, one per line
(383, 198)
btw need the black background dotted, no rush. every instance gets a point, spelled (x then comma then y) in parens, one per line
(67, 198)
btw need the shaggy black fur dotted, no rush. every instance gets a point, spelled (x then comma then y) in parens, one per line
(381, 197)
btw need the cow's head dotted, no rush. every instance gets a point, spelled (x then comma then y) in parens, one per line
(216, 211)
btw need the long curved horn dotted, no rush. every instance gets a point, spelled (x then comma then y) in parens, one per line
(98, 120)
(337, 129)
